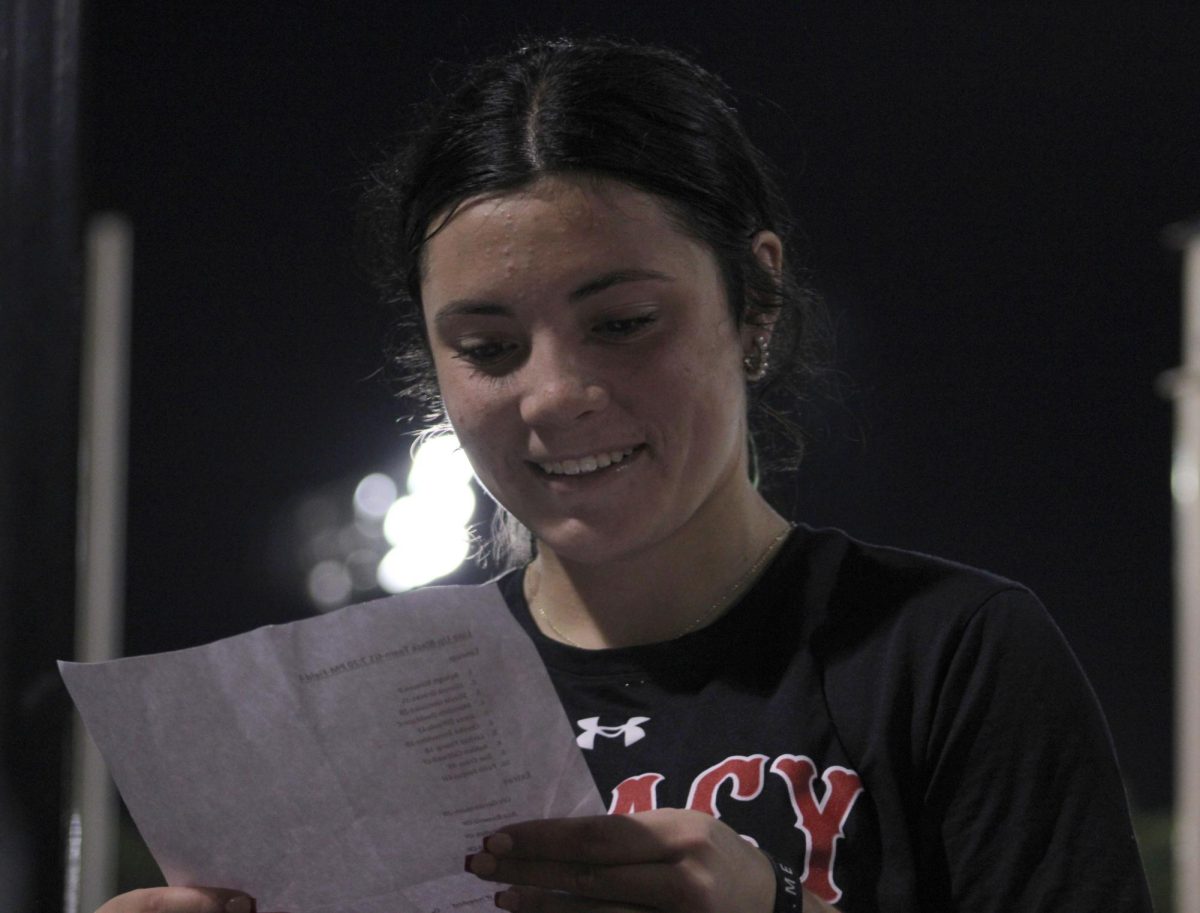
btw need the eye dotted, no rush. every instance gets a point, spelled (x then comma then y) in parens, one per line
(484, 353)
(624, 327)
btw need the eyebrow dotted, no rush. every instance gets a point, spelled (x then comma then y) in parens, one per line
(617, 277)
(468, 306)
(589, 288)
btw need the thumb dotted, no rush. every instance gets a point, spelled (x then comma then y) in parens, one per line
(181, 900)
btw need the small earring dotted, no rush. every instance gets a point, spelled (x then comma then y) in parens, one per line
(757, 362)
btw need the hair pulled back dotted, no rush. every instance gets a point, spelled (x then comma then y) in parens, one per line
(645, 116)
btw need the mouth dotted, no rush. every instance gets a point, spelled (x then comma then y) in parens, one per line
(588, 464)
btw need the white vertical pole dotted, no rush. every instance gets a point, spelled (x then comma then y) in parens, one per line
(92, 856)
(1185, 488)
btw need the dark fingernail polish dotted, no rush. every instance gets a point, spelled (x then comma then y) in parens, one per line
(467, 864)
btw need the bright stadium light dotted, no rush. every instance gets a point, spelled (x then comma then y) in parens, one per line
(422, 559)
(439, 463)
(428, 528)
(430, 513)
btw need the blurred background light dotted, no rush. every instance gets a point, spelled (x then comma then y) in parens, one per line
(374, 495)
(329, 584)
(357, 541)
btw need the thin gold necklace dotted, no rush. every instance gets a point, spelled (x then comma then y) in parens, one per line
(722, 603)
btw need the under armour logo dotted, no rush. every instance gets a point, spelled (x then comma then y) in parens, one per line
(631, 729)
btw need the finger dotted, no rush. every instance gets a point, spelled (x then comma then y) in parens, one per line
(652, 836)
(180, 900)
(535, 900)
(813, 904)
(657, 884)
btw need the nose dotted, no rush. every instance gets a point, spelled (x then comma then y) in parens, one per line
(560, 388)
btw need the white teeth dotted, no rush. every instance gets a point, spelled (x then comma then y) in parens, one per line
(585, 464)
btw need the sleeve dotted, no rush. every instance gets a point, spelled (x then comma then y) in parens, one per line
(1024, 807)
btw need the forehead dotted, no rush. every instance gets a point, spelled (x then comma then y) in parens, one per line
(556, 226)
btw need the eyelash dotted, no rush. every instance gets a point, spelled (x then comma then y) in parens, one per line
(486, 356)
(621, 327)
(484, 353)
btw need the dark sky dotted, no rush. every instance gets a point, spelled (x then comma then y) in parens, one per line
(982, 188)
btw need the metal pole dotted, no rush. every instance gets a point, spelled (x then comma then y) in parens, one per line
(92, 853)
(1185, 489)
(40, 278)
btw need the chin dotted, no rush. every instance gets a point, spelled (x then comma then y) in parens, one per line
(579, 542)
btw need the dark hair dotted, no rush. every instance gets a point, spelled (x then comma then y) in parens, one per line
(645, 116)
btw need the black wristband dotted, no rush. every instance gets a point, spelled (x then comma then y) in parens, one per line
(788, 896)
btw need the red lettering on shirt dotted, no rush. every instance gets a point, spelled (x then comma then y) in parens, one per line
(746, 774)
(822, 819)
(635, 794)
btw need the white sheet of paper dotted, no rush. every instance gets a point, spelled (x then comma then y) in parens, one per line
(343, 763)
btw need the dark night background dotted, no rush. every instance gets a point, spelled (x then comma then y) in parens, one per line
(982, 189)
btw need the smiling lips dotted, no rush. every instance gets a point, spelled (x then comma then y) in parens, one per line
(586, 464)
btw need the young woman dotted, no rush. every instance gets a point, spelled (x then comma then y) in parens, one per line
(781, 718)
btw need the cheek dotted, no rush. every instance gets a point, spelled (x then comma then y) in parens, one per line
(468, 423)
(717, 386)
(712, 368)
(457, 406)
(478, 423)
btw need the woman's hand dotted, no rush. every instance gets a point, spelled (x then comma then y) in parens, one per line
(180, 900)
(667, 860)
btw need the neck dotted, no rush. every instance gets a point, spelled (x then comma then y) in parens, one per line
(682, 583)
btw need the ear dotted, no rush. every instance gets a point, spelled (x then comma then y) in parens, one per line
(768, 250)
